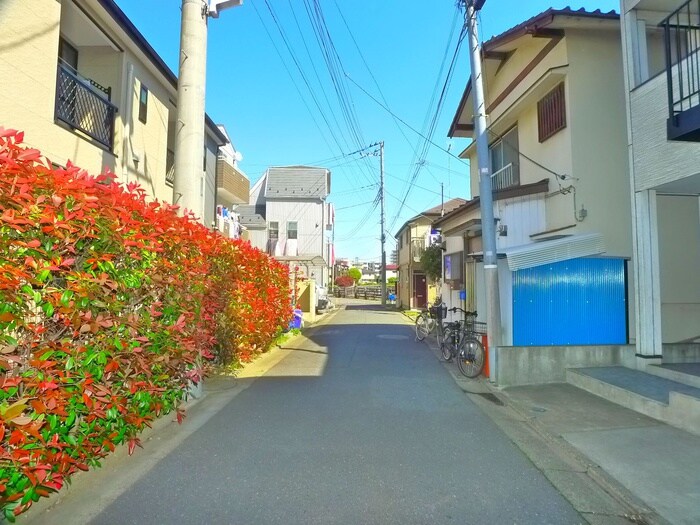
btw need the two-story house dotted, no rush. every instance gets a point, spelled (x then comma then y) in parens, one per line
(554, 100)
(414, 288)
(88, 88)
(288, 216)
(661, 45)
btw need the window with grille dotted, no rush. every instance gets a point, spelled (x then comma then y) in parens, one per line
(291, 230)
(551, 113)
(143, 104)
(274, 230)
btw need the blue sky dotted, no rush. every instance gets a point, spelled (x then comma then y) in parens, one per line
(282, 106)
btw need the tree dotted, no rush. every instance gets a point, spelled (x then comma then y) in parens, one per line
(431, 259)
(344, 281)
(356, 274)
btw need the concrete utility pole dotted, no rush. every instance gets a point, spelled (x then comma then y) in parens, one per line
(488, 228)
(381, 190)
(188, 187)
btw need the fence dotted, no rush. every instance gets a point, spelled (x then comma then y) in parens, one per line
(363, 292)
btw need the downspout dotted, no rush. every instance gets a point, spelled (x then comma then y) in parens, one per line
(126, 142)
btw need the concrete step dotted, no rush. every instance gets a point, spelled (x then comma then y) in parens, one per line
(686, 373)
(675, 403)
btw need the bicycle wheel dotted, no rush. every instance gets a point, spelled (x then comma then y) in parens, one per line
(471, 357)
(422, 327)
(446, 344)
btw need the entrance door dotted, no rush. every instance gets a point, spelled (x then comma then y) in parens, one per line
(420, 290)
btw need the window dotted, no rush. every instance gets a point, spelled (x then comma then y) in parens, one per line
(68, 55)
(453, 267)
(274, 228)
(505, 160)
(143, 104)
(551, 113)
(292, 230)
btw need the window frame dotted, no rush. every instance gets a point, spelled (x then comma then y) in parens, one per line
(551, 113)
(143, 103)
(276, 229)
(290, 230)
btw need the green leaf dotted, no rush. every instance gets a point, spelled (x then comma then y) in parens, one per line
(48, 309)
(66, 297)
(70, 363)
(43, 275)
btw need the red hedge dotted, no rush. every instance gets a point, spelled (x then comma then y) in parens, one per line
(109, 306)
(344, 281)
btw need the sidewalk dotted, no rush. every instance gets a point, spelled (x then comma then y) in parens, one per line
(637, 468)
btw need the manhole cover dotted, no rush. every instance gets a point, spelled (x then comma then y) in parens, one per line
(393, 337)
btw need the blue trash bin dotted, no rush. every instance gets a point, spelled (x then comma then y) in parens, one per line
(297, 319)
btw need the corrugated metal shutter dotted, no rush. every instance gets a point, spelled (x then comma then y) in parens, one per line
(544, 252)
(575, 302)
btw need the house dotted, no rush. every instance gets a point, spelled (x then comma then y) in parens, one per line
(554, 96)
(414, 288)
(88, 88)
(662, 78)
(288, 216)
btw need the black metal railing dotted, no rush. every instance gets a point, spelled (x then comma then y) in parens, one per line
(84, 106)
(682, 43)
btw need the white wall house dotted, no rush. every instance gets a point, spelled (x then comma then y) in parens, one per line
(660, 49)
(556, 123)
(88, 88)
(288, 216)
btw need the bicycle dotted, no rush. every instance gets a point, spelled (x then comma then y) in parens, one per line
(460, 341)
(430, 320)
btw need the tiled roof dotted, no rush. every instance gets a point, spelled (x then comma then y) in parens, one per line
(297, 182)
(251, 215)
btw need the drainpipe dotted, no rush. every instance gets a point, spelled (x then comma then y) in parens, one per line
(126, 142)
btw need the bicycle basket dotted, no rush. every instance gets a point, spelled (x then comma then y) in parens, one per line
(439, 312)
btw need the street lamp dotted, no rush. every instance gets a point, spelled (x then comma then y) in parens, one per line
(188, 186)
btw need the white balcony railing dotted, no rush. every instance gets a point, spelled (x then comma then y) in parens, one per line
(506, 177)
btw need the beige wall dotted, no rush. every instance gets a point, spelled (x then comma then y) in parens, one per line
(679, 257)
(599, 137)
(29, 55)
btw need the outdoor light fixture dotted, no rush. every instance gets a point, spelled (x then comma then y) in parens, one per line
(216, 6)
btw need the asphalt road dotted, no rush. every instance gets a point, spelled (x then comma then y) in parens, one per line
(358, 424)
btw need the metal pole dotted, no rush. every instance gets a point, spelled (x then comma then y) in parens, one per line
(381, 190)
(189, 132)
(488, 229)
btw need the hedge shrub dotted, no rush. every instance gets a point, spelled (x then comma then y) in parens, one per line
(110, 305)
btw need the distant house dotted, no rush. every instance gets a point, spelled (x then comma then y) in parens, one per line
(661, 47)
(288, 216)
(414, 289)
(88, 88)
(558, 159)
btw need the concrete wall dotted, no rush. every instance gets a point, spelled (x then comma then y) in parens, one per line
(533, 365)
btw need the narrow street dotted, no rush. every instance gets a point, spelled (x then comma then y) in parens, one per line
(358, 423)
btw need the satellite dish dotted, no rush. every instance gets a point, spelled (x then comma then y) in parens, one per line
(237, 156)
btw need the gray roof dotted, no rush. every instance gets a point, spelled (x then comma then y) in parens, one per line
(297, 182)
(251, 215)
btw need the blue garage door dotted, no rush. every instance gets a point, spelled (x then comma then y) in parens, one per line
(575, 302)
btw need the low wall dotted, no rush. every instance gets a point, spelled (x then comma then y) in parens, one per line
(681, 353)
(534, 365)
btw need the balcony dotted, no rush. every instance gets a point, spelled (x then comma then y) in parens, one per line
(506, 177)
(682, 48)
(232, 186)
(84, 105)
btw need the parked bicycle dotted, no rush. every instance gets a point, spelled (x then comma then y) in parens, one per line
(429, 321)
(461, 340)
